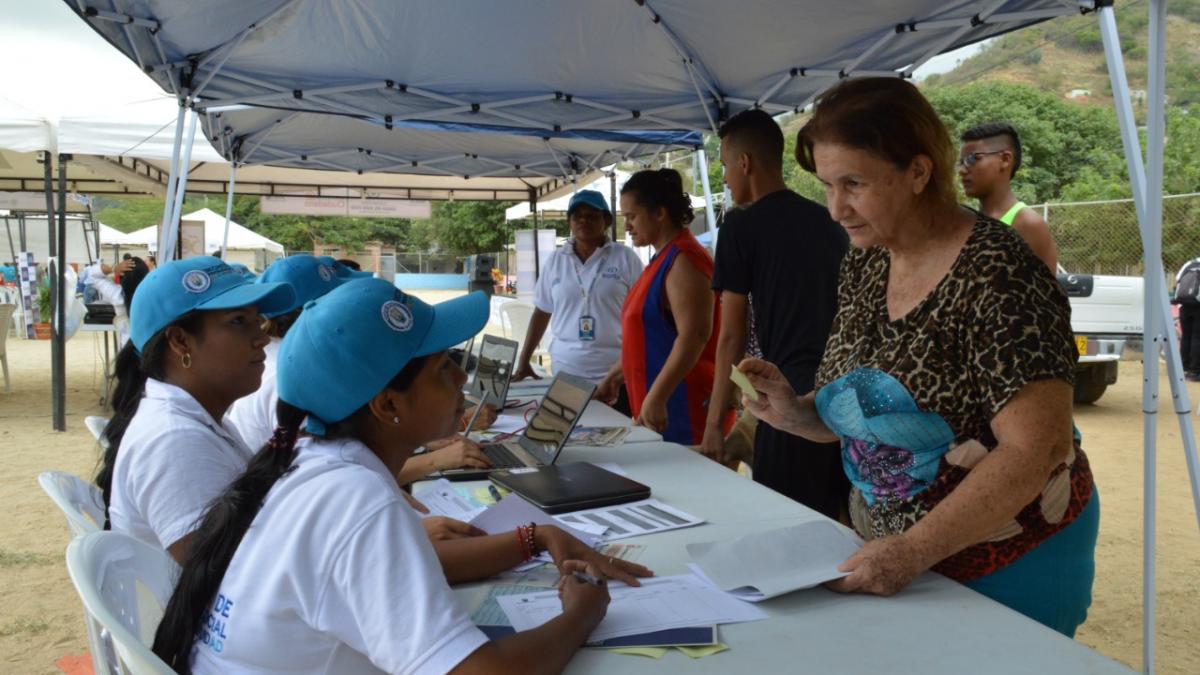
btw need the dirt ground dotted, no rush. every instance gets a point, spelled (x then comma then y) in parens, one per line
(40, 618)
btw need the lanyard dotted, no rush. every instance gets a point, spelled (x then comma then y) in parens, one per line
(586, 291)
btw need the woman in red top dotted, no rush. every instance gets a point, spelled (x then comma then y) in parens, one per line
(670, 320)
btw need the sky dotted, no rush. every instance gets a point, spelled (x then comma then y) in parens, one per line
(55, 63)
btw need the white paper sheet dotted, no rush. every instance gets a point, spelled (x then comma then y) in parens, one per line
(508, 513)
(764, 565)
(508, 424)
(633, 519)
(442, 499)
(660, 603)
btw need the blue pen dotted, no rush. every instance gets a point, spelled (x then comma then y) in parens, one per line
(494, 492)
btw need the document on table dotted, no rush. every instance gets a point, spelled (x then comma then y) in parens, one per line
(508, 424)
(660, 603)
(630, 520)
(767, 564)
(506, 514)
(442, 499)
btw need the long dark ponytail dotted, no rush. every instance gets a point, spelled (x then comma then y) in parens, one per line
(227, 520)
(132, 371)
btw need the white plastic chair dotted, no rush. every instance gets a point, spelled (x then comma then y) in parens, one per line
(6, 313)
(514, 318)
(124, 585)
(96, 424)
(80, 502)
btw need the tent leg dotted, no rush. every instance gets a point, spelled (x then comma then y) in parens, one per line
(172, 178)
(228, 208)
(1158, 333)
(537, 262)
(709, 215)
(12, 249)
(58, 334)
(171, 227)
(47, 313)
(612, 200)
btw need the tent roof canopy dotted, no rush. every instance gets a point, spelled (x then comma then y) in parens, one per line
(666, 64)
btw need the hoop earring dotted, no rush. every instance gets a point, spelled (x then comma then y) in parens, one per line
(186, 360)
(395, 420)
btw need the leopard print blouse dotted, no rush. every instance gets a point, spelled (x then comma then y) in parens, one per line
(913, 399)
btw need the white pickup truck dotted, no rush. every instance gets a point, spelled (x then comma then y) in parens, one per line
(1105, 312)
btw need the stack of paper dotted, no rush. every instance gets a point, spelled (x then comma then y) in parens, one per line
(659, 604)
(442, 499)
(630, 520)
(768, 564)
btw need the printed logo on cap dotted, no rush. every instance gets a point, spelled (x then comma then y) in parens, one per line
(397, 316)
(196, 281)
(325, 272)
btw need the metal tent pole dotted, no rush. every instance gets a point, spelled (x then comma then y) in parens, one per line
(171, 227)
(59, 364)
(12, 249)
(709, 215)
(1158, 333)
(47, 313)
(229, 208)
(172, 177)
(612, 200)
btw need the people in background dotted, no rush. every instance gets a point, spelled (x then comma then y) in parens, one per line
(314, 547)
(778, 253)
(1187, 296)
(196, 346)
(579, 295)
(987, 162)
(670, 320)
(948, 375)
(112, 285)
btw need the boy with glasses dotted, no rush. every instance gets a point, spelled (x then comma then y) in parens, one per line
(988, 160)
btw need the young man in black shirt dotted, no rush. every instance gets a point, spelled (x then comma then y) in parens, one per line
(783, 251)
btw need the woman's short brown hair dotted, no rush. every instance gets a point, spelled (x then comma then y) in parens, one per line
(886, 117)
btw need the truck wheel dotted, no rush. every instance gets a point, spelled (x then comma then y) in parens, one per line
(1090, 384)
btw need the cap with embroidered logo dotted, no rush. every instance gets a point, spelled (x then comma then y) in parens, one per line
(310, 277)
(201, 283)
(349, 343)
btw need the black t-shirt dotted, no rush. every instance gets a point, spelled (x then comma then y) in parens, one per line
(784, 251)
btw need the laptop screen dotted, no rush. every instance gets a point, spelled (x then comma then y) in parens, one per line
(556, 416)
(495, 366)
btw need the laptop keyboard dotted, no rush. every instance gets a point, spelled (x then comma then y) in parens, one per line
(501, 457)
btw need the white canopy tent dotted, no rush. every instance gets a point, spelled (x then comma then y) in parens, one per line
(240, 238)
(669, 64)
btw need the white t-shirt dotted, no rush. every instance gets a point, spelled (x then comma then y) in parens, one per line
(336, 575)
(173, 461)
(110, 291)
(254, 415)
(609, 272)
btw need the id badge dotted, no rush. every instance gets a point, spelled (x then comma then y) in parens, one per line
(587, 329)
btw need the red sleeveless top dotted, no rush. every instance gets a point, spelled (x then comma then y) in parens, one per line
(648, 333)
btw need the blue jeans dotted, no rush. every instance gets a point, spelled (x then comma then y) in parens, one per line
(1052, 584)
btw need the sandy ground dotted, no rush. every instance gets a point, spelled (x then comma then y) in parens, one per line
(40, 618)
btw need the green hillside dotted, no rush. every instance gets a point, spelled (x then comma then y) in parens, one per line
(1067, 54)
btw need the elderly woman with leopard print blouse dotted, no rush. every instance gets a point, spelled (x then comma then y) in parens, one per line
(947, 376)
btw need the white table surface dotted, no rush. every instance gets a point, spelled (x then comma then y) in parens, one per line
(934, 626)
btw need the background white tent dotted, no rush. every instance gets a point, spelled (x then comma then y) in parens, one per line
(245, 245)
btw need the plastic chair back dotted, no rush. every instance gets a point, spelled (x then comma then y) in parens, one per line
(96, 424)
(124, 585)
(80, 502)
(514, 318)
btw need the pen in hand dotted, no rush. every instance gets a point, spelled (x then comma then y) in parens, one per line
(587, 579)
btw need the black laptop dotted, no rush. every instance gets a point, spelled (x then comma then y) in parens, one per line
(561, 488)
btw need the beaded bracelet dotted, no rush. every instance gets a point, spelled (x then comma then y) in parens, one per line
(526, 540)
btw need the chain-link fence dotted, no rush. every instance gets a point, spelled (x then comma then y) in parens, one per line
(419, 262)
(1103, 237)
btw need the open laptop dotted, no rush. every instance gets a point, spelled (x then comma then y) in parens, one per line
(493, 370)
(544, 437)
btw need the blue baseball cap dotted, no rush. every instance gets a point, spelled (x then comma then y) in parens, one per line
(244, 271)
(592, 198)
(349, 343)
(202, 283)
(344, 271)
(309, 276)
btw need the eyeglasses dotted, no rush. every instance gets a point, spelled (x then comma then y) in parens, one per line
(971, 159)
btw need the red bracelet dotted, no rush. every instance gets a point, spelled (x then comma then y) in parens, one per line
(526, 540)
